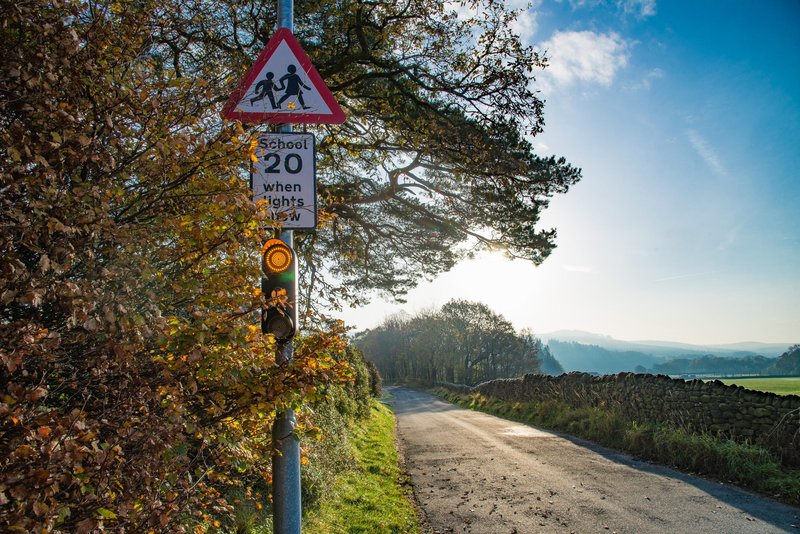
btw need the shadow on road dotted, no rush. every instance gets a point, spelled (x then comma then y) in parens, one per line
(750, 504)
(407, 402)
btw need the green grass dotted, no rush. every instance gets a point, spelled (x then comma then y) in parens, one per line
(781, 386)
(372, 497)
(743, 464)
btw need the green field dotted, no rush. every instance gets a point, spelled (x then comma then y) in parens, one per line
(781, 386)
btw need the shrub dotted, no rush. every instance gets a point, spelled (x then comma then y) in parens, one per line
(375, 380)
(332, 414)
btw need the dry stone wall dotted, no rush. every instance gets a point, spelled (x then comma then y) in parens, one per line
(731, 411)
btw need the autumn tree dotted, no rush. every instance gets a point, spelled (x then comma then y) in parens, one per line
(463, 342)
(388, 347)
(548, 364)
(136, 388)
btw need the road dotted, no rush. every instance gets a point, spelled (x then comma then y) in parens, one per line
(473, 472)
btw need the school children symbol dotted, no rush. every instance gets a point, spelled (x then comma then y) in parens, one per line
(290, 82)
(283, 86)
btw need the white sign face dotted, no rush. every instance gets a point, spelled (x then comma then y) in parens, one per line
(285, 177)
(283, 86)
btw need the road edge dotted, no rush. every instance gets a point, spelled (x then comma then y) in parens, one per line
(422, 519)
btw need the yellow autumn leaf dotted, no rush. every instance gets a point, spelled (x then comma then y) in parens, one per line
(105, 513)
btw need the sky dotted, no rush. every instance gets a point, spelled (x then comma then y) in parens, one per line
(684, 117)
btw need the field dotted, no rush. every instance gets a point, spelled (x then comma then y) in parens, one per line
(781, 386)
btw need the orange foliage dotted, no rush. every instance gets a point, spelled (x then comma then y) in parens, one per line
(134, 388)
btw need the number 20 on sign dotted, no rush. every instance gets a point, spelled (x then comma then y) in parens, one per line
(284, 176)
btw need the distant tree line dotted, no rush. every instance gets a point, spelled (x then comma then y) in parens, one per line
(463, 342)
(716, 365)
(787, 364)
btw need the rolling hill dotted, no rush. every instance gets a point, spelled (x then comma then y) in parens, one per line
(595, 353)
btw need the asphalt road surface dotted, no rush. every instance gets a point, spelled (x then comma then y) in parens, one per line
(473, 472)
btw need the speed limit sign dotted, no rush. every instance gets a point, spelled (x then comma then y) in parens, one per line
(284, 176)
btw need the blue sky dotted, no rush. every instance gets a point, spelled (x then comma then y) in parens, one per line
(685, 118)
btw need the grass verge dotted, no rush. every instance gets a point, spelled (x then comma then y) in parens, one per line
(370, 497)
(743, 464)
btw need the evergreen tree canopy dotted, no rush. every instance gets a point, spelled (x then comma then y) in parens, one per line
(434, 161)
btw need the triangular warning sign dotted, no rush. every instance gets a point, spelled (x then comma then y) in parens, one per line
(283, 86)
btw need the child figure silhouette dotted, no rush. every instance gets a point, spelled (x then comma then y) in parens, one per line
(292, 83)
(265, 88)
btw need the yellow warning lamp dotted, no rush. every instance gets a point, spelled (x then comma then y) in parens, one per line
(277, 256)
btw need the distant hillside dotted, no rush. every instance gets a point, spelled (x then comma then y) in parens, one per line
(668, 349)
(595, 359)
(592, 358)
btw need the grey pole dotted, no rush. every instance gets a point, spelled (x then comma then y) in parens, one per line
(286, 505)
(286, 16)
(286, 501)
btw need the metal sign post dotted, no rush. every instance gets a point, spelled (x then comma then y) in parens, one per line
(286, 502)
(283, 87)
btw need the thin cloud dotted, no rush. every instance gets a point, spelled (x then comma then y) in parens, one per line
(525, 24)
(578, 4)
(585, 56)
(647, 80)
(462, 11)
(706, 153)
(639, 8)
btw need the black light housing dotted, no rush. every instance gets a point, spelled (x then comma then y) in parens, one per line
(279, 286)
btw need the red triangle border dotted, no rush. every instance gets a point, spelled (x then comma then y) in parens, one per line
(283, 34)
